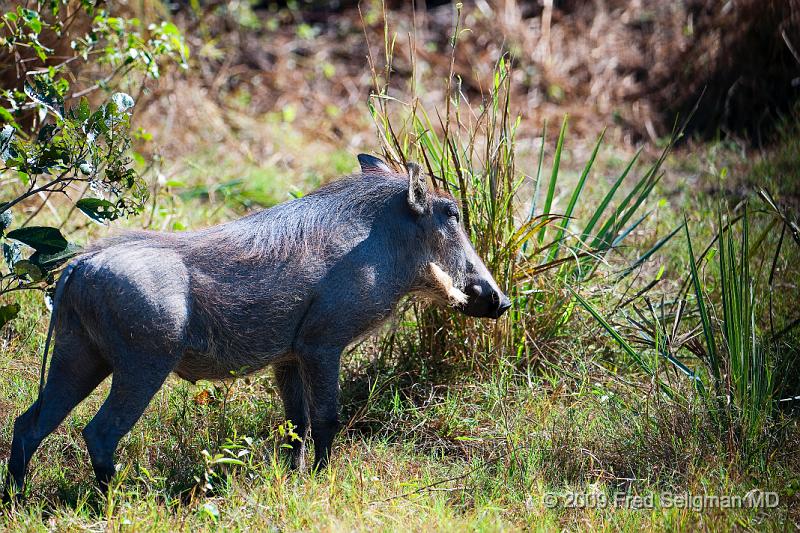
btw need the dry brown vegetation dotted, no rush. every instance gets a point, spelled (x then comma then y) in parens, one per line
(637, 64)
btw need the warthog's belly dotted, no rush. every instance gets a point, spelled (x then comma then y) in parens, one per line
(195, 366)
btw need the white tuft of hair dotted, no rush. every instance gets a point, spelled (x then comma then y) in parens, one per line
(454, 295)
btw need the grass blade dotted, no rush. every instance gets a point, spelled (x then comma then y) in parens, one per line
(551, 187)
(645, 256)
(575, 195)
(598, 212)
(636, 356)
(708, 333)
(538, 182)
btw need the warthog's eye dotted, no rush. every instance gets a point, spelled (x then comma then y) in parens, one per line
(452, 212)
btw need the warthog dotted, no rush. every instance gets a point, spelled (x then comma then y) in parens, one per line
(291, 286)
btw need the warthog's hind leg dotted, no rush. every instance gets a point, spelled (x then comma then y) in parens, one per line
(132, 388)
(290, 383)
(74, 373)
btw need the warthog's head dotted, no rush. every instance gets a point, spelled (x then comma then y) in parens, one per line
(452, 270)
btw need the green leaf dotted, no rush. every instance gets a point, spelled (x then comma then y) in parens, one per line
(42, 91)
(123, 101)
(97, 122)
(86, 168)
(170, 29)
(8, 313)
(6, 137)
(26, 268)
(599, 210)
(11, 253)
(228, 461)
(32, 20)
(51, 261)
(40, 238)
(576, 193)
(98, 209)
(5, 115)
(46, 133)
(551, 188)
(705, 318)
(83, 112)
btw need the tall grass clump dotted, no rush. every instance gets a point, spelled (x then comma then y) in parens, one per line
(720, 332)
(746, 363)
(511, 214)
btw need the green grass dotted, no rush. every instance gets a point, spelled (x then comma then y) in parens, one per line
(472, 454)
(426, 445)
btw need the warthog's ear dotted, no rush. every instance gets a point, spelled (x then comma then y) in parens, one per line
(417, 189)
(371, 163)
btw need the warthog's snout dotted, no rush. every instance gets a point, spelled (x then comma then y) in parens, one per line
(503, 305)
(485, 301)
(484, 297)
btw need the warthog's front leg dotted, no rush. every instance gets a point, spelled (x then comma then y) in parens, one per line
(290, 383)
(320, 371)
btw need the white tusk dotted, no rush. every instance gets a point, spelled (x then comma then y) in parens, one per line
(445, 283)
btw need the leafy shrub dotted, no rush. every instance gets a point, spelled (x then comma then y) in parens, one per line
(53, 141)
(470, 152)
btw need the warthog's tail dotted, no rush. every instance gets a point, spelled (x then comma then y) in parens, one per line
(61, 285)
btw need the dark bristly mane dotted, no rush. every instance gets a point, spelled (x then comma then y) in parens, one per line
(298, 226)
